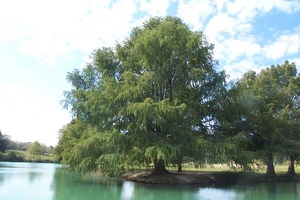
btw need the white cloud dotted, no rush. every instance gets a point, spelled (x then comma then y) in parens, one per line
(48, 29)
(243, 10)
(284, 45)
(296, 61)
(237, 69)
(219, 25)
(287, 6)
(195, 12)
(154, 7)
(220, 5)
(232, 49)
(237, 43)
(247, 10)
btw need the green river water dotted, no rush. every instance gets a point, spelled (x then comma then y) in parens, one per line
(47, 181)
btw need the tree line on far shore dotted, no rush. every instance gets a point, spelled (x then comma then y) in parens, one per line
(158, 99)
(11, 147)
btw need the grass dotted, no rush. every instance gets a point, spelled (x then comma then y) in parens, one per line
(27, 156)
(279, 168)
(24, 156)
(212, 174)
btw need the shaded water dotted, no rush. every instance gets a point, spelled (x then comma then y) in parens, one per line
(47, 181)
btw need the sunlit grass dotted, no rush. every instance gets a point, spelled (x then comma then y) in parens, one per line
(27, 157)
(279, 168)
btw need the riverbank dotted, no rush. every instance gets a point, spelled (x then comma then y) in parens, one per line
(204, 177)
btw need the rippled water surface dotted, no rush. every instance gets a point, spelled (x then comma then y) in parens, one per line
(48, 181)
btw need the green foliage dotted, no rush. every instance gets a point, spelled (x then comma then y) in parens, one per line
(156, 98)
(35, 149)
(14, 156)
(3, 143)
(149, 99)
(262, 120)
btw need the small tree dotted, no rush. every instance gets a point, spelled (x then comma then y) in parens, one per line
(34, 149)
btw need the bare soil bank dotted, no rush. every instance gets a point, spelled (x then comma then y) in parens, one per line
(204, 177)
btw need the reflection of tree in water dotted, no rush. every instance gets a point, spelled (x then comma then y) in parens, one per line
(1, 179)
(32, 176)
(273, 190)
(1, 175)
(67, 185)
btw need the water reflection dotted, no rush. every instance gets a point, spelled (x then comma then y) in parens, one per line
(32, 176)
(67, 185)
(127, 190)
(214, 193)
(26, 180)
(47, 181)
(273, 191)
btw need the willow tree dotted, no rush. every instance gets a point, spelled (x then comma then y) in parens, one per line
(151, 98)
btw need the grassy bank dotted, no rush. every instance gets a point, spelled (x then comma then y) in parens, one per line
(212, 174)
(208, 178)
(24, 156)
(279, 168)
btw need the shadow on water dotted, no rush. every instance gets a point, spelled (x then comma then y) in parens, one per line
(33, 176)
(48, 181)
(68, 185)
(74, 186)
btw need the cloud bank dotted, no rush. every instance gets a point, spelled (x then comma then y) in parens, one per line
(248, 35)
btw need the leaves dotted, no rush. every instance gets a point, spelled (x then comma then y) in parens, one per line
(262, 105)
(148, 98)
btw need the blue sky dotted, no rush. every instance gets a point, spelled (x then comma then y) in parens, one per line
(40, 41)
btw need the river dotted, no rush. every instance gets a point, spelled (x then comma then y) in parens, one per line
(48, 181)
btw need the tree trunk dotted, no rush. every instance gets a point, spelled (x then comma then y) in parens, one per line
(291, 169)
(179, 163)
(159, 167)
(270, 165)
(179, 167)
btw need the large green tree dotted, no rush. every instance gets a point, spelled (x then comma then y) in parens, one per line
(269, 103)
(150, 100)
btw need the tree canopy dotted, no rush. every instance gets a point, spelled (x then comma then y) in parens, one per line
(264, 115)
(149, 100)
(157, 98)
(35, 149)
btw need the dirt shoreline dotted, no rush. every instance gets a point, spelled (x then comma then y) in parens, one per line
(192, 178)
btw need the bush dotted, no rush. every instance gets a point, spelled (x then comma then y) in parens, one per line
(14, 157)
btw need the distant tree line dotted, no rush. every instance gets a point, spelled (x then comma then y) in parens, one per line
(34, 149)
(157, 99)
(3, 142)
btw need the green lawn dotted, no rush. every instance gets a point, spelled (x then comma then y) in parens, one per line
(15, 155)
(279, 168)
